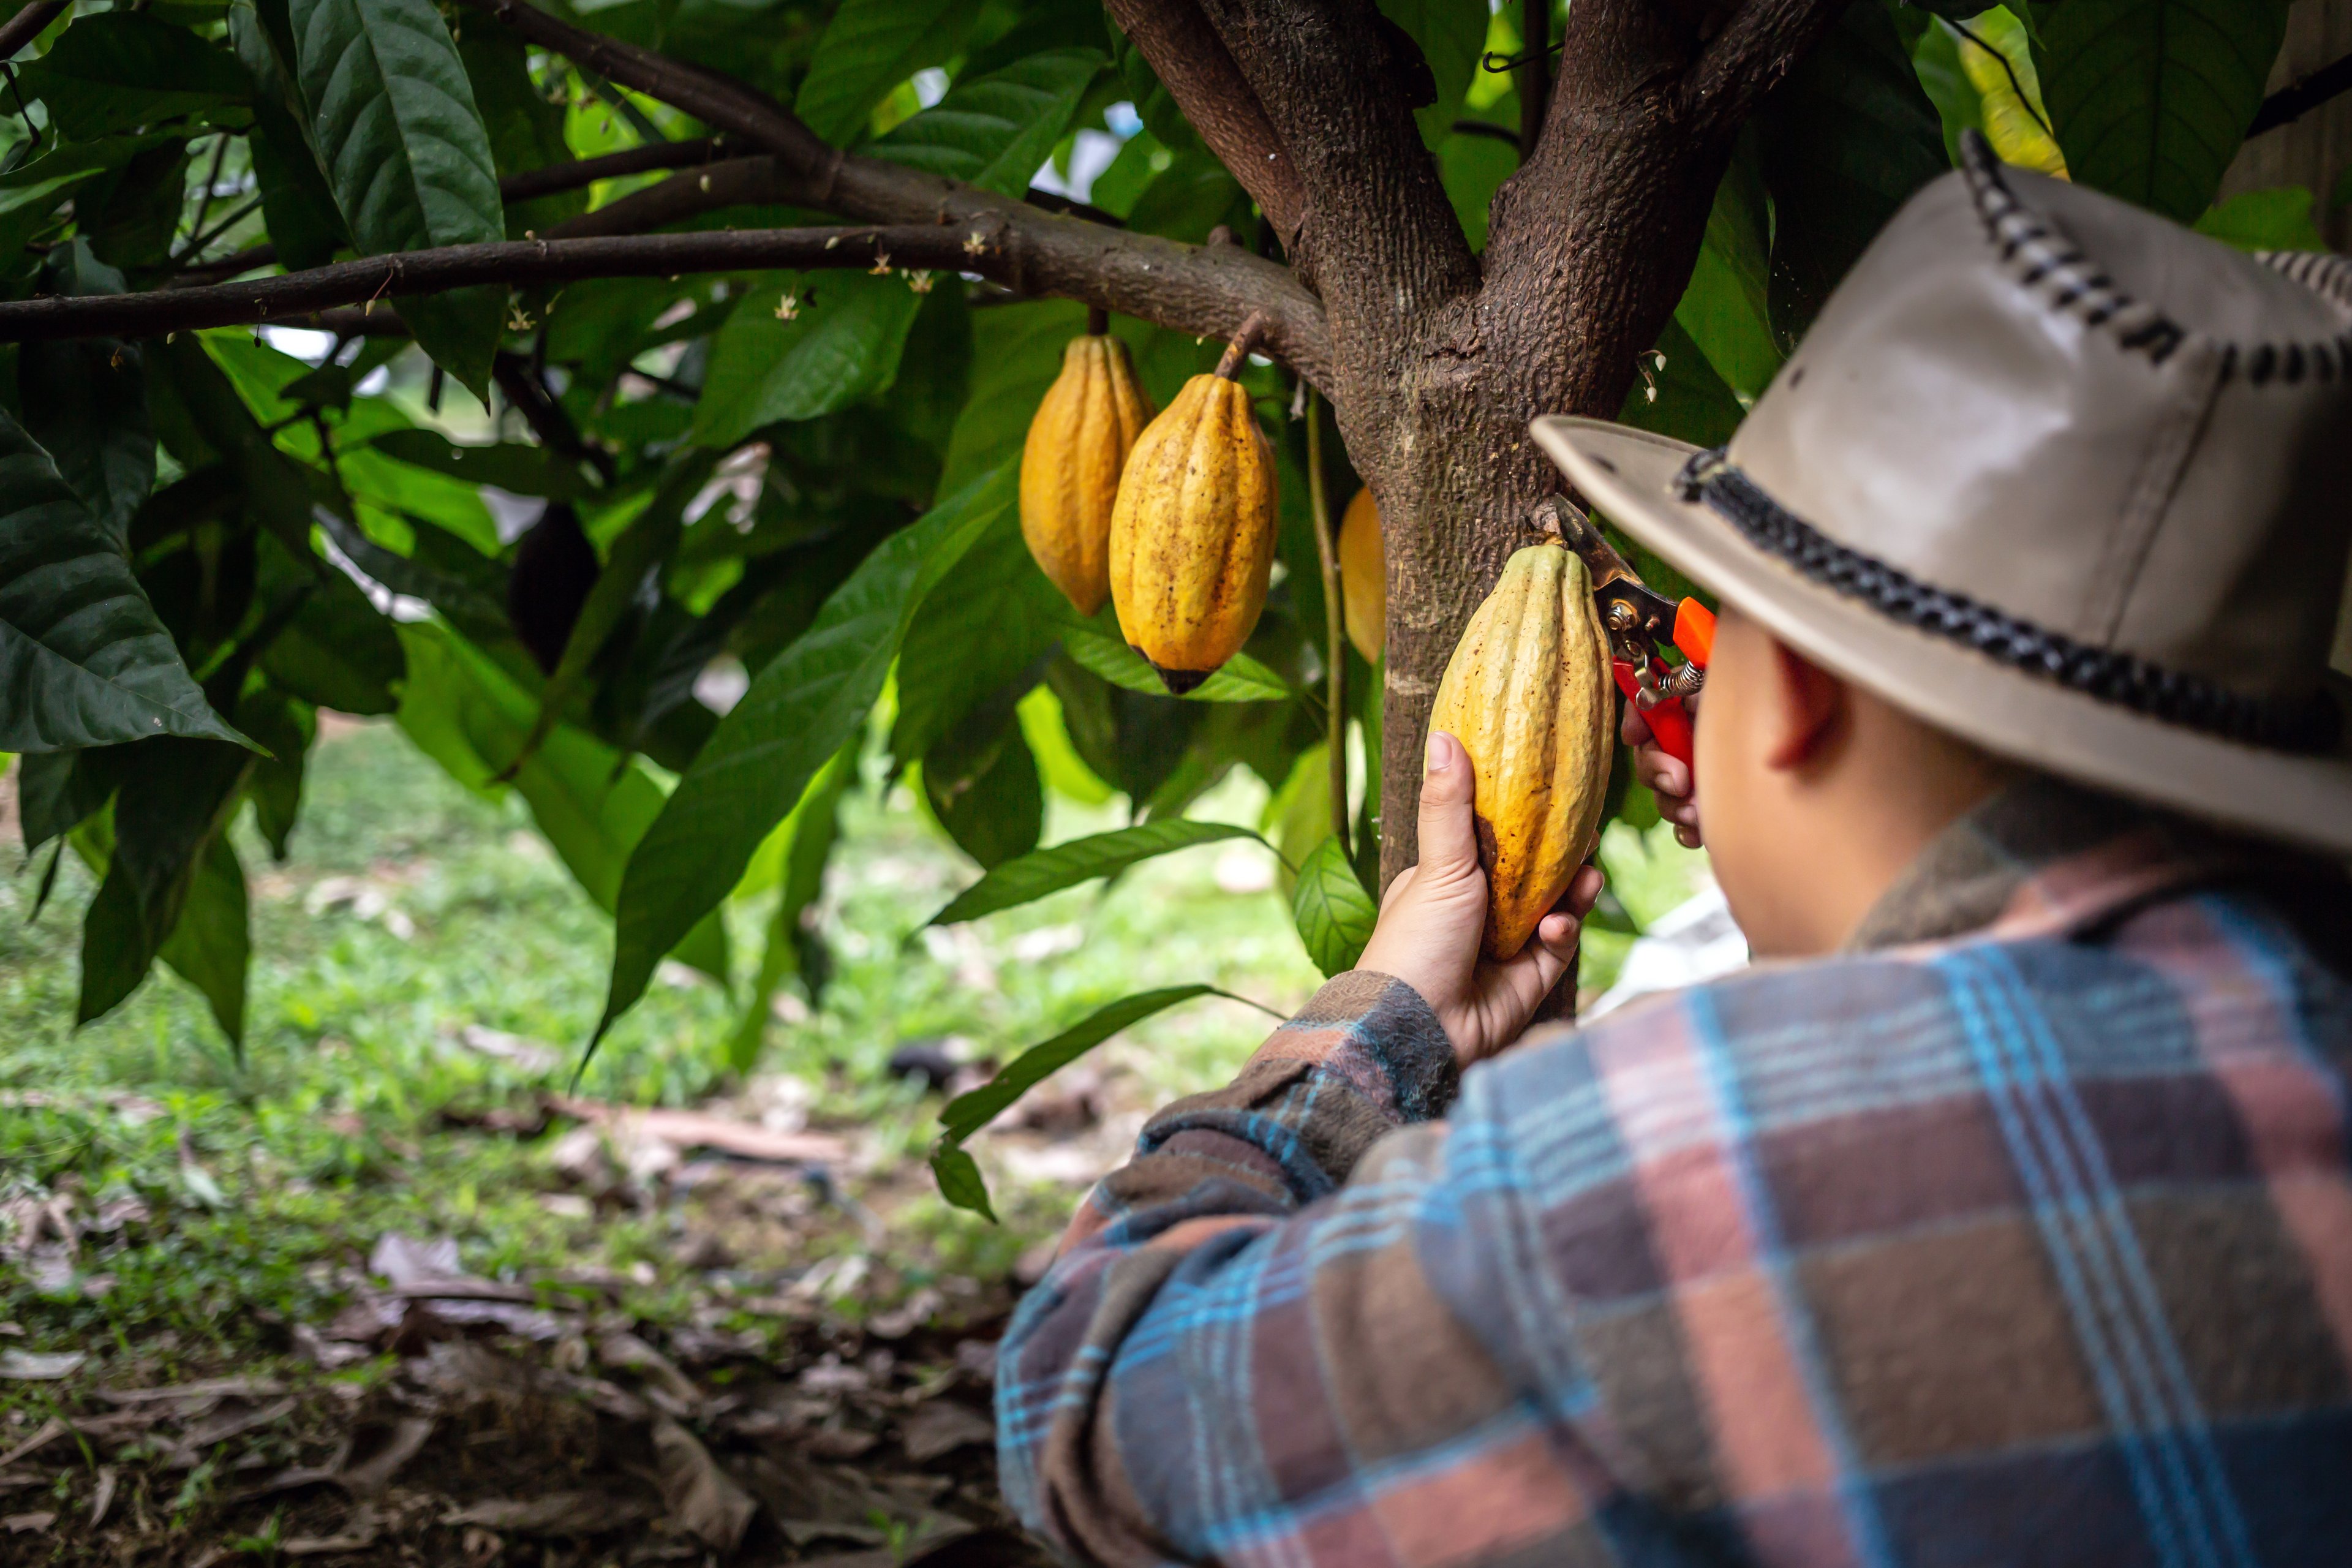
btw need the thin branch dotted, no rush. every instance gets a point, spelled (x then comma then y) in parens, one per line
(1335, 623)
(1534, 71)
(1199, 289)
(2303, 95)
(27, 25)
(212, 183)
(557, 178)
(1199, 72)
(545, 416)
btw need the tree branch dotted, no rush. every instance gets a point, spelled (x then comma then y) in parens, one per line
(1379, 221)
(1192, 63)
(1202, 289)
(25, 26)
(556, 178)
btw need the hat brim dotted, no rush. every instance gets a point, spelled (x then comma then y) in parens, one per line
(1629, 476)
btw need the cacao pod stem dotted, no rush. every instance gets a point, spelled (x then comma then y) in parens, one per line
(1097, 320)
(1245, 343)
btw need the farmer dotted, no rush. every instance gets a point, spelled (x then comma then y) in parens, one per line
(2001, 1213)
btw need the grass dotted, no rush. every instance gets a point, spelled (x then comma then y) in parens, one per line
(249, 1184)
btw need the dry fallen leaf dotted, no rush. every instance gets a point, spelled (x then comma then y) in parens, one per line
(557, 1513)
(704, 1500)
(36, 1366)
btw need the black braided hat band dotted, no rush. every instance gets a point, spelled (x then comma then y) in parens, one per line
(2312, 726)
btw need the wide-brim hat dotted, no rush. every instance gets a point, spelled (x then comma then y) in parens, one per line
(2055, 476)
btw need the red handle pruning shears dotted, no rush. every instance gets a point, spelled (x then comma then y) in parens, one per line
(1639, 622)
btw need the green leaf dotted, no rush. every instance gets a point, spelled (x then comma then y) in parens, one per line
(1298, 814)
(868, 47)
(83, 659)
(30, 195)
(210, 945)
(1997, 58)
(85, 401)
(1846, 140)
(1034, 876)
(967, 1113)
(994, 131)
(980, 782)
(129, 214)
(1726, 308)
(1016, 352)
(1154, 104)
(1334, 914)
(335, 651)
(841, 343)
(285, 726)
(799, 710)
(526, 131)
(57, 791)
(2150, 99)
(514, 465)
(1473, 169)
(806, 842)
(1682, 397)
(117, 69)
(1190, 197)
(176, 796)
(1240, 679)
(1000, 613)
(299, 210)
(961, 1184)
(2275, 219)
(407, 156)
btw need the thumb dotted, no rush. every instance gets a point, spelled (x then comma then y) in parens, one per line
(1449, 839)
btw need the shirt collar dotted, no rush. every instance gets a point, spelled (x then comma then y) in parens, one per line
(2042, 856)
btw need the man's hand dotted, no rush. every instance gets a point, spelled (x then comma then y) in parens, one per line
(1433, 914)
(1668, 778)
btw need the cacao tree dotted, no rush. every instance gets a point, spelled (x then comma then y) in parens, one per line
(749, 306)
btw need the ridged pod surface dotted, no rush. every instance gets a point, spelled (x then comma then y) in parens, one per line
(1077, 445)
(1363, 577)
(1192, 540)
(1528, 695)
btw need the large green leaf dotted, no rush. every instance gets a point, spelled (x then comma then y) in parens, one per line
(305, 225)
(85, 401)
(994, 131)
(406, 155)
(1044, 871)
(1845, 141)
(57, 791)
(967, 1113)
(286, 726)
(838, 342)
(30, 195)
(1333, 912)
(799, 710)
(999, 614)
(2149, 98)
(335, 651)
(83, 659)
(1727, 308)
(802, 846)
(980, 782)
(176, 796)
(868, 49)
(211, 944)
(120, 69)
(526, 131)
(1240, 679)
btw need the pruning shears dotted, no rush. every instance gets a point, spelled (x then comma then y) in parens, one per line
(1640, 622)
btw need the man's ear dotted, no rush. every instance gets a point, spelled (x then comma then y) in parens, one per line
(1813, 714)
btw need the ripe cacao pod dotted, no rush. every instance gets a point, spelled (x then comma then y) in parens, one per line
(1191, 539)
(1529, 694)
(1070, 464)
(1363, 577)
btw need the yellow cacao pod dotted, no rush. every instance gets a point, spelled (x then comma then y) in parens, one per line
(1527, 694)
(1077, 444)
(1191, 539)
(1363, 577)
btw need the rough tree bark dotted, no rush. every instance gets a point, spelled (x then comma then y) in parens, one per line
(1434, 359)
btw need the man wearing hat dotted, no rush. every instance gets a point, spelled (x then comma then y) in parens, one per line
(2001, 1213)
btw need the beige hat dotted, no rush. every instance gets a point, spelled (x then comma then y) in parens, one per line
(2058, 476)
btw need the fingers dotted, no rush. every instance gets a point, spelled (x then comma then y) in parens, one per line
(1583, 892)
(1635, 728)
(1449, 843)
(1667, 775)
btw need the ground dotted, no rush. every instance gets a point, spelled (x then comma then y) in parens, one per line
(389, 1287)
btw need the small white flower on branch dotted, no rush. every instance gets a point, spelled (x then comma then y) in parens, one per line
(975, 242)
(881, 268)
(788, 307)
(921, 282)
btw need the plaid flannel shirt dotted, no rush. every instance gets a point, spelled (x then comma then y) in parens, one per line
(2018, 1234)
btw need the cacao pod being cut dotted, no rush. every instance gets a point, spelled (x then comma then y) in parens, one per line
(1070, 464)
(1363, 577)
(1528, 695)
(1192, 540)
